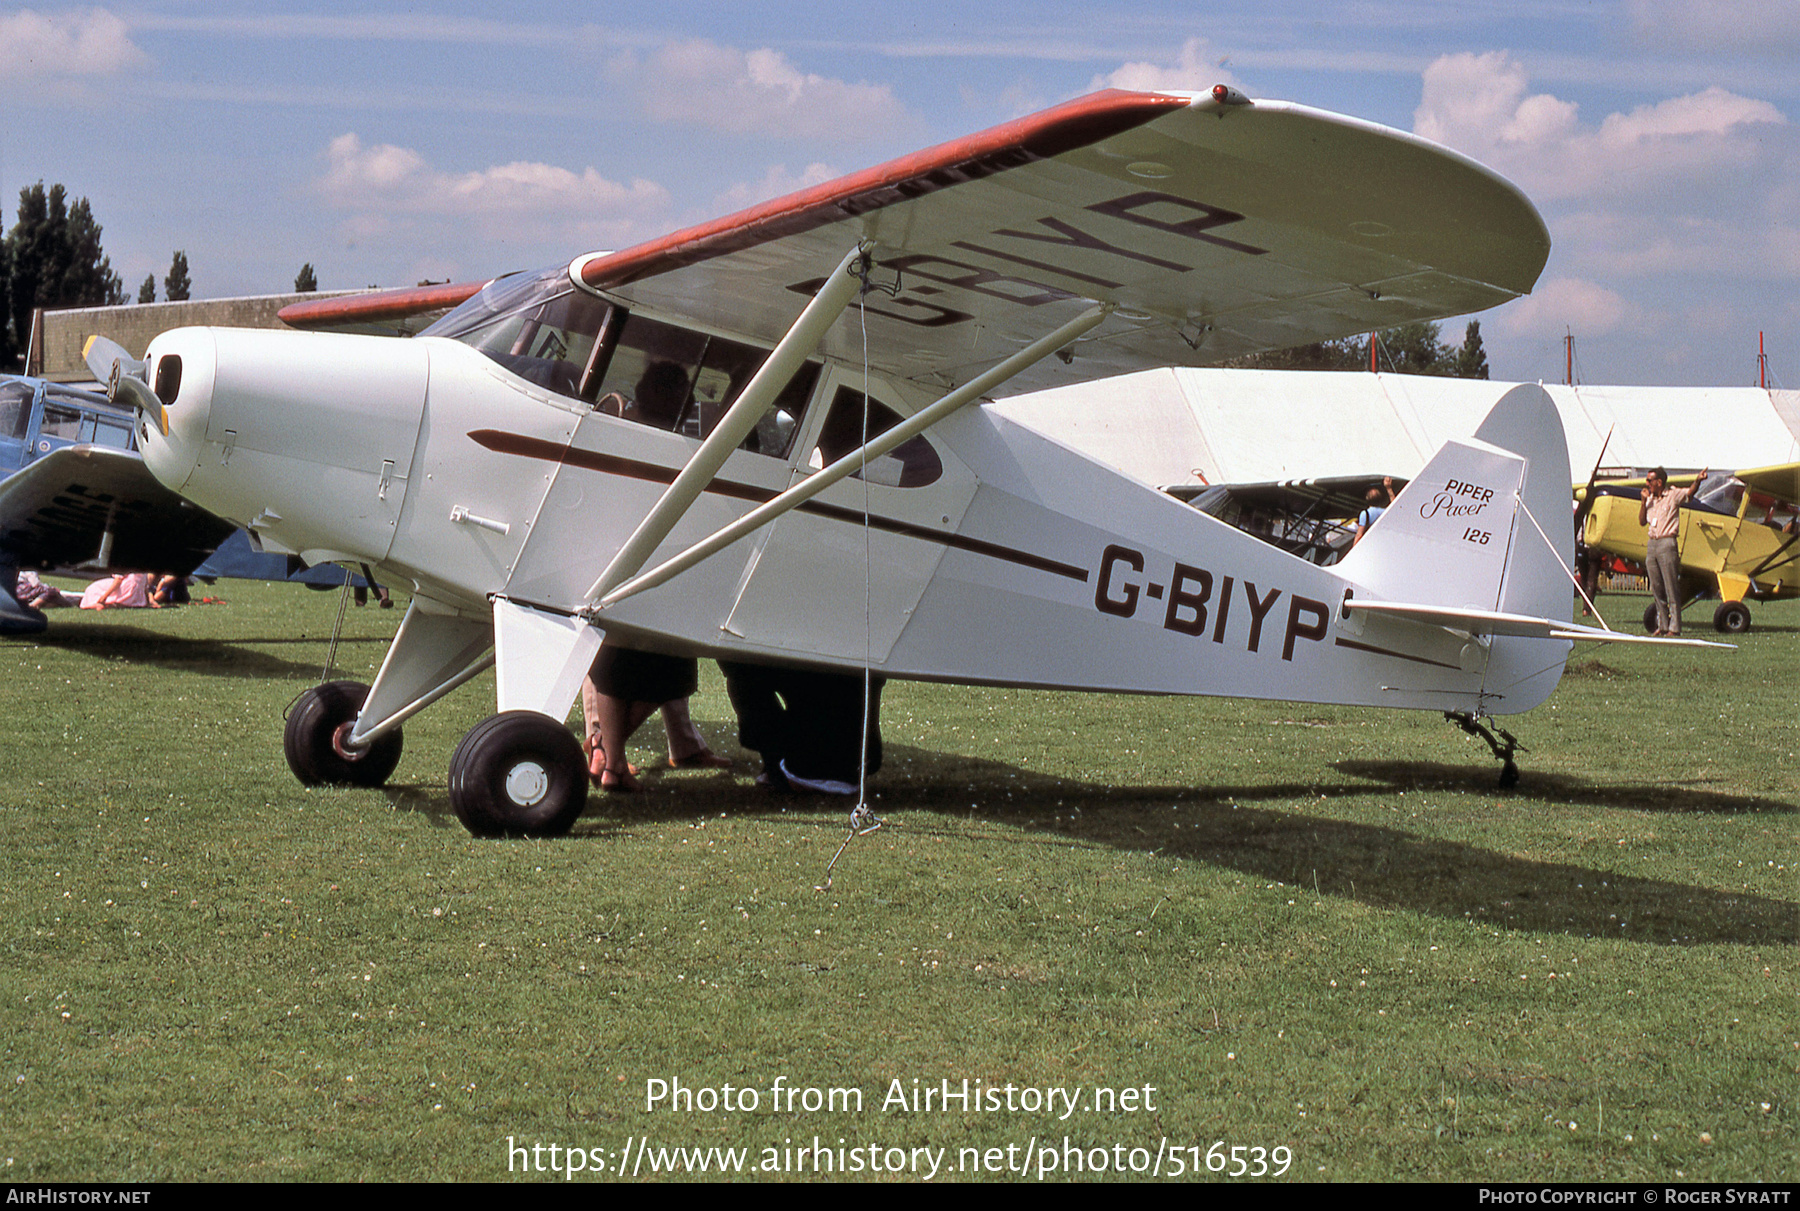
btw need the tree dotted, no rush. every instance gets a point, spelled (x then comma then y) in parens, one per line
(1351, 353)
(305, 282)
(177, 285)
(1415, 348)
(54, 260)
(147, 292)
(1471, 359)
(7, 352)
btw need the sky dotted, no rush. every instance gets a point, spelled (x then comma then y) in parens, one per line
(391, 143)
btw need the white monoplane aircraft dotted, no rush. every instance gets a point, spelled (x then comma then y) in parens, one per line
(697, 406)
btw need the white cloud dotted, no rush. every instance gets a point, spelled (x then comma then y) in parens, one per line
(1197, 68)
(87, 42)
(523, 200)
(1479, 104)
(774, 183)
(1586, 308)
(757, 92)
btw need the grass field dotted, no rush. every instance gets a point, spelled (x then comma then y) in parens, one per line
(1315, 929)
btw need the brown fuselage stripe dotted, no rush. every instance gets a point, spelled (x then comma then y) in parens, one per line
(631, 468)
(1366, 647)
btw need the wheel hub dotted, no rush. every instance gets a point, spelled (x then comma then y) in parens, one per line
(340, 743)
(527, 783)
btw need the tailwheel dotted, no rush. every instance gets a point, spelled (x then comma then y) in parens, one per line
(1732, 617)
(319, 723)
(518, 774)
(1509, 771)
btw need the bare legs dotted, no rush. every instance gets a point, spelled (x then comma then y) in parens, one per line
(609, 722)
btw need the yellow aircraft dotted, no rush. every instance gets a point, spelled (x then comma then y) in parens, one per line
(1741, 533)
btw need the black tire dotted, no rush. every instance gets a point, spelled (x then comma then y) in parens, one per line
(309, 739)
(518, 774)
(1650, 618)
(1731, 618)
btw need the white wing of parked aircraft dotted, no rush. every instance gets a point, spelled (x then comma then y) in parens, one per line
(753, 439)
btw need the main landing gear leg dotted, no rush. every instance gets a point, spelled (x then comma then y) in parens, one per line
(1509, 773)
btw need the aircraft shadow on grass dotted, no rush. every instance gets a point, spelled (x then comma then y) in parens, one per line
(1220, 825)
(243, 658)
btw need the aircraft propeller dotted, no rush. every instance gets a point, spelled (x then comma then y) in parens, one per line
(127, 379)
(1587, 500)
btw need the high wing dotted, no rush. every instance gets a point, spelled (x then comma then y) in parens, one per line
(96, 508)
(380, 312)
(1782, 481)
(1211, 225)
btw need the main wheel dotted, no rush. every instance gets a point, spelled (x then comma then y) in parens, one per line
(1650, 618)
(518, 774)
(1732, 617)
(316, 729)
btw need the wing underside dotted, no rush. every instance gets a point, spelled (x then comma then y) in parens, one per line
(96, 508)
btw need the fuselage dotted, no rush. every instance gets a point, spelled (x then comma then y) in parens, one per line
(512, 460)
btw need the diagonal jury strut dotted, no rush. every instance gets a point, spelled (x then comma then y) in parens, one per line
(767, 383)
(817, 482)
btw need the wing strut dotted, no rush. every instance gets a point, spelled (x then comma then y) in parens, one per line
(739, 419)
(817, 482)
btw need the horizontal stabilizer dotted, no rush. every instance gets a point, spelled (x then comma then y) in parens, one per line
(1490, 622)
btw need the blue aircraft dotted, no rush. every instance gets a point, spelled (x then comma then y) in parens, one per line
(77, 500)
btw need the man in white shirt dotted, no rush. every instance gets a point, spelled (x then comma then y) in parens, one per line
(1660, 512)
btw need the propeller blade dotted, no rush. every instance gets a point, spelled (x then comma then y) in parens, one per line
(101, 355)
(1587, 498)
(126, 378)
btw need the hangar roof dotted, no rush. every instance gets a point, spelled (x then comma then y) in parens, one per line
(1174, 426)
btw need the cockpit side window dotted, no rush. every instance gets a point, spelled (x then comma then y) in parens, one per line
(540, 327)
(549, 344)
(64, 423)
(683, 381)
(15, 409)
(912, 464)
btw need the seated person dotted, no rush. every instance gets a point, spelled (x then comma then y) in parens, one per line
(169, 590)
(659, 397)
(130, 591)
(39, 596)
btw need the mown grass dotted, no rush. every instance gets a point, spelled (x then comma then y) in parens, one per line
(1317, 928)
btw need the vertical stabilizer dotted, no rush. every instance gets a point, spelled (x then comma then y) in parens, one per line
(1486, 526)
(1526, 422)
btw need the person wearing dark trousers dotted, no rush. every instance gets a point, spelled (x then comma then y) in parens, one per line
(806, 725)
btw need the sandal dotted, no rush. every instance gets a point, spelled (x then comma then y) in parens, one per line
(704, 759)
(619, 782)
(596, 758)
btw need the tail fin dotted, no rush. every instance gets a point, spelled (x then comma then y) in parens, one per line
(1486, 527)
(1456, 536)
(1538, 580)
